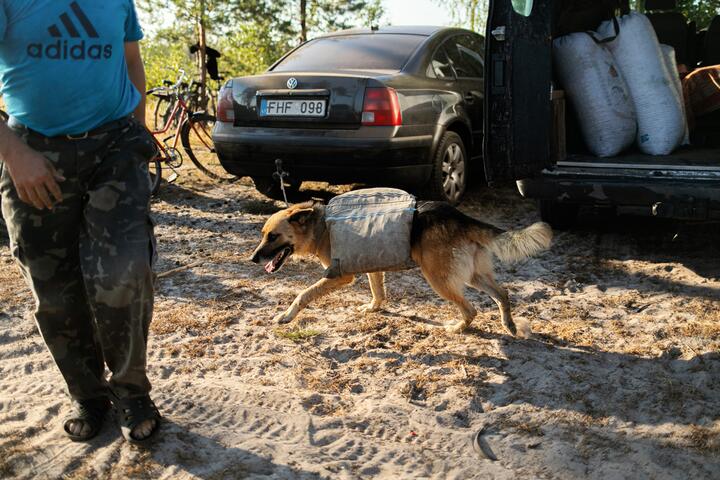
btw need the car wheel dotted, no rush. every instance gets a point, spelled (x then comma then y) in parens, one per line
(560, 216)
(450, 170)
(270, 187)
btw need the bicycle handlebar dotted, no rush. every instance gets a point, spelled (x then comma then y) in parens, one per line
(180, 78)
(169, 87)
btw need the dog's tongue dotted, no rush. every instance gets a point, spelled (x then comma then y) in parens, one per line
(270, 266)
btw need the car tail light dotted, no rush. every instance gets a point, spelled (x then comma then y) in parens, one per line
(225, 109)
(381, 107)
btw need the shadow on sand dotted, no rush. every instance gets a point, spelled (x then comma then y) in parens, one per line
(178, 451)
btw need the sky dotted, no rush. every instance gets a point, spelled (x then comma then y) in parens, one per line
(416, 12)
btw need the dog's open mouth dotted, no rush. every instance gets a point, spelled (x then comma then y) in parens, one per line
(278, 260)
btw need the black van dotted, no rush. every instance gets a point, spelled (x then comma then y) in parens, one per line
(532, 136)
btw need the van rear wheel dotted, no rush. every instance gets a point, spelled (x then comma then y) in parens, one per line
(449, 178)
(560, 216)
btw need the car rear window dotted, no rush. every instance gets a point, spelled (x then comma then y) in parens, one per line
(375, 51)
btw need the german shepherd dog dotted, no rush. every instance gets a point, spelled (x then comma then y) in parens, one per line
(452, 250)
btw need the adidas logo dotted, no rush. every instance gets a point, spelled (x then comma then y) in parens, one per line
(71, 50)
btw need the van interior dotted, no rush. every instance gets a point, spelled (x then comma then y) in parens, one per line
(693, 48)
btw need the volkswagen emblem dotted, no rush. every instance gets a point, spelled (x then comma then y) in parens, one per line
(292, 83)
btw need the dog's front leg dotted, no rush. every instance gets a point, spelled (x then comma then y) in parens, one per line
(319, 289)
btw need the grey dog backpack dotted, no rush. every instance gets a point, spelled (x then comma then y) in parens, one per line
(369, 231)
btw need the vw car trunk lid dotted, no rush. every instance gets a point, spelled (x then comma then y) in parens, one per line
(342, 92)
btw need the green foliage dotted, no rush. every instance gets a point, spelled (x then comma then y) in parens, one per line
(250, 34)
(251, 49)
(329, 15)
(470, 14)
(297, 336)
(164, 54)
(374, 14)
(700, 11)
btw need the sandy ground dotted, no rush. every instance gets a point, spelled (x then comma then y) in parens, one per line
(621, 379)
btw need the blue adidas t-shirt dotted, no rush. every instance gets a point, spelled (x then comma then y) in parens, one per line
(62, 62)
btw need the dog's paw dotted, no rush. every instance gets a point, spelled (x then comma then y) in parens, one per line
(369, 308)
(282, 318)
(456, 327)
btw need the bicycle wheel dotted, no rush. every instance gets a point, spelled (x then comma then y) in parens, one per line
(155, 171)
(163, 109)
(196, 137)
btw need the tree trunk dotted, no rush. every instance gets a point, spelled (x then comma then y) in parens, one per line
(473, 14)
(303, 20)
(202, 41)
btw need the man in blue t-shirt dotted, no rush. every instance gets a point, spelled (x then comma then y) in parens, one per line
(75, 195)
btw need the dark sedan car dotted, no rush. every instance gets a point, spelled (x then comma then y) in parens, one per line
(395, 106)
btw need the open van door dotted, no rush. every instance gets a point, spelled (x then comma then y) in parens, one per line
(518, 50)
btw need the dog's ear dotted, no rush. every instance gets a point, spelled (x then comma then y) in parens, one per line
(301, 216)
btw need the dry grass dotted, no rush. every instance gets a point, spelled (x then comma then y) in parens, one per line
(707, 320)
(628, 301)
(143, 465)
(527, 427)
(7, 458)
(13, 290)
(368, 323)
(705, 439)
(259, 207)
(324, 381)
(12, 453)
(570, 322)
(199, 347)
(198, 316)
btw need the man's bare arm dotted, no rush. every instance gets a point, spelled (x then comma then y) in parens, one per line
(34, 177)
(136, 71)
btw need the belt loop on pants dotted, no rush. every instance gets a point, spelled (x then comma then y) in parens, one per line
(80, 136)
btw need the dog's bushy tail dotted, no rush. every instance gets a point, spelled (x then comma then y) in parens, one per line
(517, 245)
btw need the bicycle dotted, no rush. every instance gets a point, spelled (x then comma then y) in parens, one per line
(193, 130)
(163, 104)
(191, 92)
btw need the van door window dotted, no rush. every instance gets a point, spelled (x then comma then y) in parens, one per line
(464, 52)
(523, 7)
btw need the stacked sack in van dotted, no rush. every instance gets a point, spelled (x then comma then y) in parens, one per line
(624, 89)
(671, 65)
(658, 102)
(597, 89)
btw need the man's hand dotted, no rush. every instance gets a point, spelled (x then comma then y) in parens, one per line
(35, 179)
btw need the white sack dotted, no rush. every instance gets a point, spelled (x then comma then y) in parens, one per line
(661, 123)
(369, 231)
(671, 65)
(598, 91)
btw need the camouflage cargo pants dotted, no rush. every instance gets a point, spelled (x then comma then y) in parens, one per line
(89, 260)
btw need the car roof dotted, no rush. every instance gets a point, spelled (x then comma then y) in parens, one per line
(425, 30)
